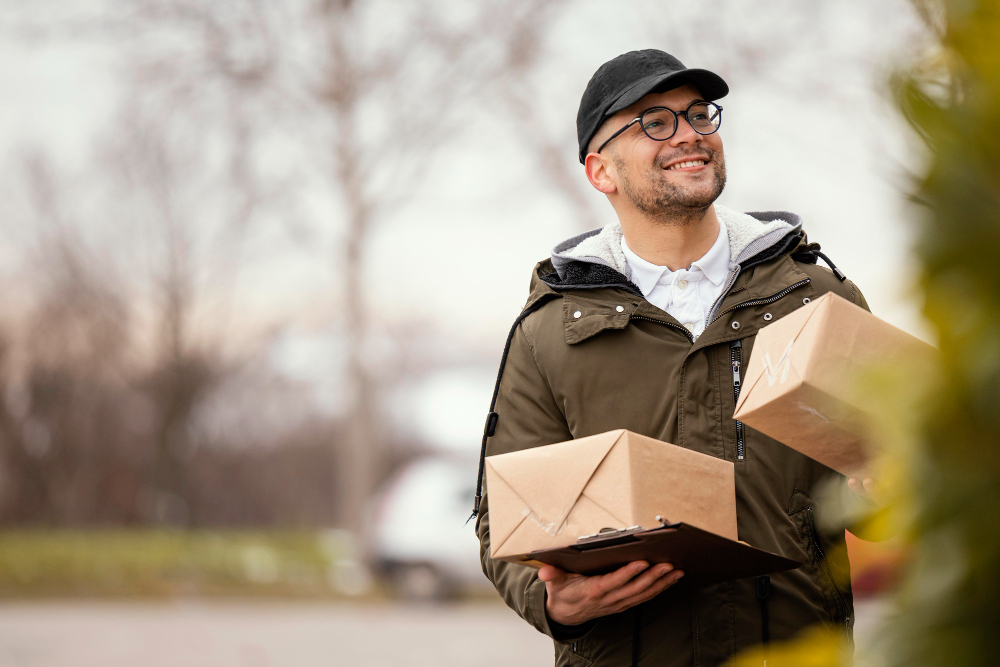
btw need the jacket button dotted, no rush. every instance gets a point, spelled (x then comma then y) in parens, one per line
(767, 317)
(806, 300)
(620, 309)
(577, 314)
(736, 325)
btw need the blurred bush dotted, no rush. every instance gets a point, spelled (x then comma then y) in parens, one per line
(154, 563)
(943, 479)
(948, 612)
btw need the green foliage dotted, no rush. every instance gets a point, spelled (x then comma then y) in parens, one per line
(941, 478)
(948, 604)
(161, 562)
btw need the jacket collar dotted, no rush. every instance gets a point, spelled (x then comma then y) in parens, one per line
(749, 235)
(583, 270)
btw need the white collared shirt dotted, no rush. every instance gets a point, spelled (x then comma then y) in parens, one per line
(686, 294)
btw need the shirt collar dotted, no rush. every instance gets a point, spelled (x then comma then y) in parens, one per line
(714, 264)
(644, 274)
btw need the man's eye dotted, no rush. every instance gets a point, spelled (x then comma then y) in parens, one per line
(654, 123)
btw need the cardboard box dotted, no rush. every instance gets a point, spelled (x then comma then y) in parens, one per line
(550, 496)
(801, 386)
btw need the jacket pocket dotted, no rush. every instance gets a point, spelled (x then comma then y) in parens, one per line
(838, 608)
(579, 651)
(570, 655)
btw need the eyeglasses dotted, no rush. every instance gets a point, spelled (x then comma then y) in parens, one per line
(660, 123)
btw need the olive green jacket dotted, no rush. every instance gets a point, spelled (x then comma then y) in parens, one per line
(596, 356)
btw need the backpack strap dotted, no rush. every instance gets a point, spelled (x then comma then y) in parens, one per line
(492, 418)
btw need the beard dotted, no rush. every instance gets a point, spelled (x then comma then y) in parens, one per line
(663, 200)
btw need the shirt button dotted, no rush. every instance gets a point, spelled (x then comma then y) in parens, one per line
(682, 284)
(689, 326)
(620, 309)
(577, 314)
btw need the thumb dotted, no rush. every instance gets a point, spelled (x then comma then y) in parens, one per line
(549, 573)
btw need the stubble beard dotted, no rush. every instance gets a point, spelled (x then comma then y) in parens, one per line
(667, 202)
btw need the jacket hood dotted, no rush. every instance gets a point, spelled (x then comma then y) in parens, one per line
(750, 234)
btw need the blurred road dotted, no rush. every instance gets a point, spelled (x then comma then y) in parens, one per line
(265, 634)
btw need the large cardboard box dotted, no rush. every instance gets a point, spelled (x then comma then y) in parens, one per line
(803, 384)
(550, 496)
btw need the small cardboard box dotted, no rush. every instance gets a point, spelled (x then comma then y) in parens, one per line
(801, 386)
(550, 496)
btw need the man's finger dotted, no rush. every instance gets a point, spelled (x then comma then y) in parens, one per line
(660, 585)
(870, 485)
(639, 584)
(612, 580)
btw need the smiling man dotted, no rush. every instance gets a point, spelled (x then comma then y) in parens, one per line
(644, 324)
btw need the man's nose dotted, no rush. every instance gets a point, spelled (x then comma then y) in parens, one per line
(685, 134)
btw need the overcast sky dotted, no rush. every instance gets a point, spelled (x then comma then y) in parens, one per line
(810, 134)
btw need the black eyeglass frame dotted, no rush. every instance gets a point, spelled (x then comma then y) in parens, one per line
(677, 124)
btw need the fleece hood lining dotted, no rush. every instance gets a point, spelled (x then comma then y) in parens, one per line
(749, 234)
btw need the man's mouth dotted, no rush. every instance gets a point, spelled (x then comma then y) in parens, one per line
(687, 164)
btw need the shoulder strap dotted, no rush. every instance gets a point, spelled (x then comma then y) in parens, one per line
(492, 418)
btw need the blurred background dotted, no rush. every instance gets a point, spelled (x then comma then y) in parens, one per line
(257, 263)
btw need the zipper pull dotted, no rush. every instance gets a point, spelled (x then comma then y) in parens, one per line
(736, 353)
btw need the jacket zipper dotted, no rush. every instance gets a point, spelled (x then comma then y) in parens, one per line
(736, 358)
(669, 324)
(735, 351)
(838, 598)
(761, 302)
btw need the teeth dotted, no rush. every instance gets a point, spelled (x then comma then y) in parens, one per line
(689, 163)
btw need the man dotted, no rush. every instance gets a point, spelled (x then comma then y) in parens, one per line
(644, 325)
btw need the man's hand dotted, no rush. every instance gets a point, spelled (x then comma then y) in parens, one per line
(867, 488)
(574, 598)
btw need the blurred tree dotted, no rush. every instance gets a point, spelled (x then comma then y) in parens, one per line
(63, 370)
(235, 108)
(366, 90)
(522, 30)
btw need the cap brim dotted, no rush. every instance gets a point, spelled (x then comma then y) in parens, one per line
(710, 84)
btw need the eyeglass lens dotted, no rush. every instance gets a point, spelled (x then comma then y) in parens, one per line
(661, 123)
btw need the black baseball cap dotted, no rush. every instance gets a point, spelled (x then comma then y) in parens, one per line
(623, 81)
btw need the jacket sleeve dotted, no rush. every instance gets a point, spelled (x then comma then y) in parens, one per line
(529, 416)
(857, 298)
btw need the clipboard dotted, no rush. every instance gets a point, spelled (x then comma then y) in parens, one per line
(703, 556)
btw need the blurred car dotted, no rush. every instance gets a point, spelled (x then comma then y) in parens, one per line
(421, 545)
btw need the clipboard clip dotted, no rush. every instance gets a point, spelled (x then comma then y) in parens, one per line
(620, 532)
(610, 532)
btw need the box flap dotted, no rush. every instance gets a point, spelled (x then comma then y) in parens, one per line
(775, 363)
(549, 480)
(586, 518)
(505, 516)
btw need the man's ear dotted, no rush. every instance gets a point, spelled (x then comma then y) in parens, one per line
(600, 173)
